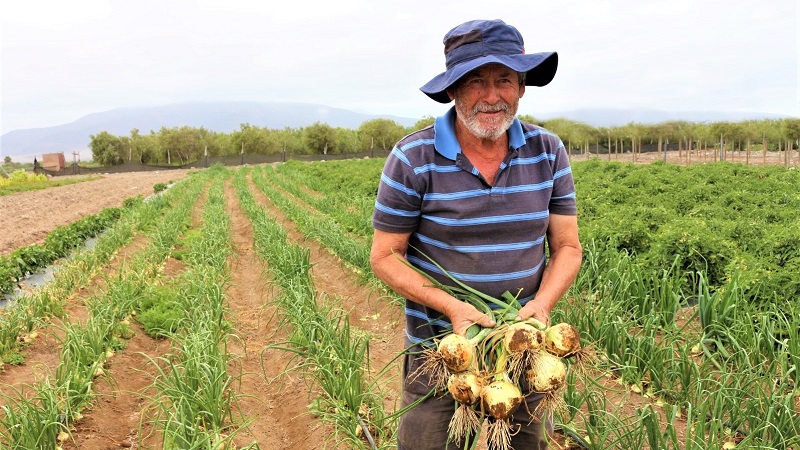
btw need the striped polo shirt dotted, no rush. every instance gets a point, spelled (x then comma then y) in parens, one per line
(491, 238)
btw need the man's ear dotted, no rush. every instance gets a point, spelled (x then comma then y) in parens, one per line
(521, 90)
(451, 93)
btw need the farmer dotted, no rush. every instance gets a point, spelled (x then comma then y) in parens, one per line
(480, 193)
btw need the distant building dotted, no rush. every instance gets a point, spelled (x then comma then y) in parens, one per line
(54, 162)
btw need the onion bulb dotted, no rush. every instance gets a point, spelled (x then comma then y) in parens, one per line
(457, 352)
(547, 374)
(562, 340)
(501, 398)
(466, 387)
(520, 337)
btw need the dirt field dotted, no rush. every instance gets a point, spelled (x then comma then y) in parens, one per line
(27, 217)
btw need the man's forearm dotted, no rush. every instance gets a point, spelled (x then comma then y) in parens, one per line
(559, 274)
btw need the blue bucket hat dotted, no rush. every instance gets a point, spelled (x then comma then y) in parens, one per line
(479, 42)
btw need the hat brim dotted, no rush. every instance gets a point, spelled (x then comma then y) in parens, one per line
(540, 69)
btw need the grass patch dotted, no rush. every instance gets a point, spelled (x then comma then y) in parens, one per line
(39, 185)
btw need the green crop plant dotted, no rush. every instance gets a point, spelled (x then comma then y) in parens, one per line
(31, 421)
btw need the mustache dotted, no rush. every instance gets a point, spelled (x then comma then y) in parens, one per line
(486, 108)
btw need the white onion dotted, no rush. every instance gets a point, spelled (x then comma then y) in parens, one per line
(520, 337)
(457, 352)
(548, 373)
(466, 387)
(562, 340)
(501, 399)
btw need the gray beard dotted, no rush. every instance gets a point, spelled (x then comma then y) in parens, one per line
(470, 120)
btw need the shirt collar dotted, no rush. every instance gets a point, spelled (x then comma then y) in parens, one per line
(444, 135)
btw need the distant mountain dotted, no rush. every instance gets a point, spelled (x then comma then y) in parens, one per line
(225, 117)
(24, 145)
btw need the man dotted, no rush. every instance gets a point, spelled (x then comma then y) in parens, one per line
(480, 193)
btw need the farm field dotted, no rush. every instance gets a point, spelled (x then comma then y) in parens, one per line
(29, 216)
(261, 274)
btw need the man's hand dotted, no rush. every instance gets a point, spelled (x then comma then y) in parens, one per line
(535, 310)
(463, 315)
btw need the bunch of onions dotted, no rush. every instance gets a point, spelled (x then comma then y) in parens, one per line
(505, 354)
(466, 388)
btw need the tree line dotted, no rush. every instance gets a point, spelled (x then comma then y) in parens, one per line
(180, 145)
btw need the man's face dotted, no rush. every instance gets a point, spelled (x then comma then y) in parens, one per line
(487, 99)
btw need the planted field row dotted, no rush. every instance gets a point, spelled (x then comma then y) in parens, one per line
(86, 345)
(193, 399)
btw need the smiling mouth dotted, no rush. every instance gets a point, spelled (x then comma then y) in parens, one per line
(496, 109)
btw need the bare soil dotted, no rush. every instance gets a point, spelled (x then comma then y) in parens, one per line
(27, 217)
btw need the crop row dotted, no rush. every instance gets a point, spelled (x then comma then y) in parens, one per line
(43, 419)
(332, 353)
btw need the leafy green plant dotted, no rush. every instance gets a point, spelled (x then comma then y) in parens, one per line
(161, 313)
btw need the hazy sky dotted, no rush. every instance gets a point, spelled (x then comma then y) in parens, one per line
(62, 60)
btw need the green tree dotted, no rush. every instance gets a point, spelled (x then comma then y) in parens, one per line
(254, 139)
(320, 138)
(791, 129)
(148, 149)
(7, 160)
(289, 140)
(426, 121)
(565, 130)
(381, 133)
(723, 133)
(107, 149)
(530, 119)
(347, 140)
(184, 144)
